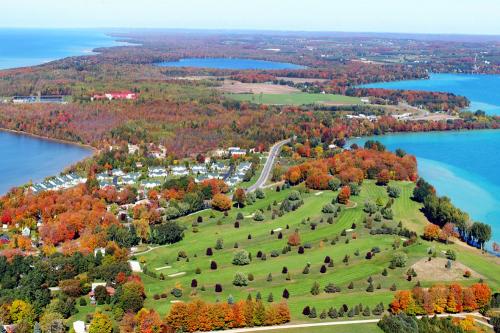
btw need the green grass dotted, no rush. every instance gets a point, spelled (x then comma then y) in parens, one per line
(357, 271)
(348, 328)
(296, 99)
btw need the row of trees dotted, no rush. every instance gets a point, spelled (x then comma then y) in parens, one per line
(441, 299)
(201, 316)
(402, 323)
(441, 212)
(352, 167)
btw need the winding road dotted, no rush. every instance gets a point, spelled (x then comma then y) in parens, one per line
(268, 167)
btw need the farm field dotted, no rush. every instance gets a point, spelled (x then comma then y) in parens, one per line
(299, 98)
(321, 235)
(236, 87)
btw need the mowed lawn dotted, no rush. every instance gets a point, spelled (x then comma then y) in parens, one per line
(348, 328)
(179, 272)
(296, 99)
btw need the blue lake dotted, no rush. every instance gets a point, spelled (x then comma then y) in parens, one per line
(26, 158)
(28, 47)
(461, 165)
(229, 63)
(481, 90)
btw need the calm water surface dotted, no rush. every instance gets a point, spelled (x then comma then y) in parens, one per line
(26, 158)
(464, 166)
(229, 63)
(28, 47)
(482, 90)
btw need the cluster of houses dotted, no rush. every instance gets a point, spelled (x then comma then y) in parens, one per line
(58, 99)
(361, 116)
(156, 175)
(58, 183)
(118, 95)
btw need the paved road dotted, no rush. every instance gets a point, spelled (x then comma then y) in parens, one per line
(268, 167)
(476, 317)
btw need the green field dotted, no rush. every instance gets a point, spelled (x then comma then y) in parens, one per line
(364, 328)
(357, 271)
(296, 99)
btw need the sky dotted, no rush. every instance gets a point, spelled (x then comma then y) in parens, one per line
(405, 16)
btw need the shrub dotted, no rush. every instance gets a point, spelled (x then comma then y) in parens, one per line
(355, 188)
(332, 313)
(315, 289)
(209, 252)
(322, 269)
(329, 209)
(286, 294)
(249, 236)
(269, 277)
(451, 255)
(322, 315)
(393, 191)
(275, 253)
(83, 301)
(300, 250)
(260, 194)
(384, 272)
(258, 216)
(259, 254)
(399, 259)
(270, 298)
(387, 213)
(239, 216)
(197, 270)
(351, 285)
(393, 287)
(327, 260)
(219, 244)
(366, 311)
(250, 277)
(176, 292)
(467, 274)
(306, 310)
(241, 258)
(331, 288)
(280, 235)
(240, 280)
(213, 265)
(194, 283)
(284, 270)
(294, 239)
(237, 224)
(218, 288)
(313, 313)
(305, 270)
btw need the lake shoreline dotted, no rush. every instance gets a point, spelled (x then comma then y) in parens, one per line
(41, 137)
(467, 179)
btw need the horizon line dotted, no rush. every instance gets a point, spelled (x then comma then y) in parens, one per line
(253, 30)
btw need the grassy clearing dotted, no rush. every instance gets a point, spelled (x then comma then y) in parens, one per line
(298, 284)
(365, 328)
(296, 99)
